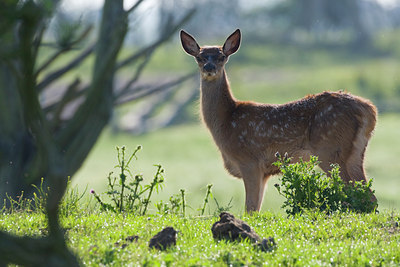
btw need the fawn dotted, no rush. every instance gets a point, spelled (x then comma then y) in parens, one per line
(334, 126)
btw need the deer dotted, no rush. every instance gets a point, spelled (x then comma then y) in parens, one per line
(334, 126)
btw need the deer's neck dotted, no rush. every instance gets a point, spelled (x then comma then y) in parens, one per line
(217, 102)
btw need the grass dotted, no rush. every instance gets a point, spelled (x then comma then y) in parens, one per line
(309, 240)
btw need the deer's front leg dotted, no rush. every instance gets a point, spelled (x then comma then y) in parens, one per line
(254, 184)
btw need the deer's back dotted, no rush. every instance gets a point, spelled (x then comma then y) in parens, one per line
(327, 119)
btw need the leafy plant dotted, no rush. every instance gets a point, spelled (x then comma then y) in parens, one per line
(126, 195)
(305, 188)
(176, 204)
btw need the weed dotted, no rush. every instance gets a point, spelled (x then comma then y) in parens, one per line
(305, 188)
(156, 184)
(129, 196)
(183, 201)
(221, 208)
(208, 195)
(70, 202)
(176, 204)
(23, 203)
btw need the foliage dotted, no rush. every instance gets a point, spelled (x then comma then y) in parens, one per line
(128, 194)
(23, 204)
(305, 188)
(71, 202)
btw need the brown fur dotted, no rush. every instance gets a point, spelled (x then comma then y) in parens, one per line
(334, 126)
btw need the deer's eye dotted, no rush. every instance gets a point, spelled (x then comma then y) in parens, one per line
(200, 59)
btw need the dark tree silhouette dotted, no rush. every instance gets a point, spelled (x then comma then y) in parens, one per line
(35, 140)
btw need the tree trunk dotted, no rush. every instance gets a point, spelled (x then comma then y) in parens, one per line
(29, 149)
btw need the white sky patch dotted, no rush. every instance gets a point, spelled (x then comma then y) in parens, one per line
(389, 3)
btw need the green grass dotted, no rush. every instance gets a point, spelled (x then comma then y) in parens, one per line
(309, 240)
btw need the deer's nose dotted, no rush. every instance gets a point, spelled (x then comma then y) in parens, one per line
(209, 67)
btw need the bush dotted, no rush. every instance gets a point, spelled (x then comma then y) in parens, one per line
(305, 188)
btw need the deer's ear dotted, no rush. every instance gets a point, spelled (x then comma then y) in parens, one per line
(232, 43)
(189, 44)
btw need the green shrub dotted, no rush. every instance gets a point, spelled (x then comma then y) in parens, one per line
(305, 188)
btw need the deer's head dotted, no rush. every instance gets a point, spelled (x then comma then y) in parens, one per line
(211, 59)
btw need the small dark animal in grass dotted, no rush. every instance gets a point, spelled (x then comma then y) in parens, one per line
(232, 229)
(163, 239)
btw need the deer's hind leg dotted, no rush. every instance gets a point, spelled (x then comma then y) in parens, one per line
(355, 161)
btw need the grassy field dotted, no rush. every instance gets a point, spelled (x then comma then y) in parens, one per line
(312, 239)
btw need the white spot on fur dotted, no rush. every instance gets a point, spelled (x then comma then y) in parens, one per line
(262, 134)
(234, 124)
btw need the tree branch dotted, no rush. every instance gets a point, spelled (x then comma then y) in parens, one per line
(125, 89)
(134, 6)
(59, 52)
(168, 33)
(143, 91)
(61, 71)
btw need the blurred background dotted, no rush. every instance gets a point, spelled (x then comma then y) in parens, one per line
(290, 48)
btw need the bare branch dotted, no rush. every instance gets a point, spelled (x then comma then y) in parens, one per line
(136, 76)
(143, 91)
(61, 71)
(59, 52)
(134, 6)
(161, 40)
